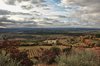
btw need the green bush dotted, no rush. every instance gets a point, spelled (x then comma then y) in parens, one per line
(96, 43)
(49, 55)
(5, 60)
(84, 58)
(56, 50)
(67, 50)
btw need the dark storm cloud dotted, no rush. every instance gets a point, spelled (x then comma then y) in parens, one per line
(5, 19)
(19, 13)
(37, 1)
(4, 12)
(10, 2)
(27, 7)
(5, 22)
(87, 2)
(92, 5)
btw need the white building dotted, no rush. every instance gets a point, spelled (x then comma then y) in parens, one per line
(50, 41)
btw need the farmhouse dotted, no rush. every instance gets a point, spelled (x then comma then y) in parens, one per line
(50, 41)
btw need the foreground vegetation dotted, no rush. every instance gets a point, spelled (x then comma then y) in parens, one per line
(83, 58)
(6, 60)
(13, 54)
(54, 55)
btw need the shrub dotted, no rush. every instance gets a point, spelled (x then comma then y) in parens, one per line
(11, 48)
(84, 58)
(21, 59)
(96, 43)
(5, 60)
(67, 50)
(56, 50)
(49, 56)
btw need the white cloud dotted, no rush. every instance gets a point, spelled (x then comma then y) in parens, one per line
(2, 27)
(54, 13)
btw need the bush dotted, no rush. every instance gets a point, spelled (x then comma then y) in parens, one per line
(5, 60)
(84, 58)
(21, 59)
(56, 50)
(96, 43)
(67, 50)
(49, 56)
(12, 53)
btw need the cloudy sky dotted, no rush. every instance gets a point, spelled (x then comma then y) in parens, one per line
(49, 13)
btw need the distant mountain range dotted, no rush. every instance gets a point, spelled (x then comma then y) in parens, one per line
(47, 30)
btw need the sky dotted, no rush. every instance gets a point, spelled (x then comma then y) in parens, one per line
(49, 13)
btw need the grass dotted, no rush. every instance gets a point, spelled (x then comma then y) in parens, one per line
(83, 58)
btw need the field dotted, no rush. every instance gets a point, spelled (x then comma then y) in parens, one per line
(52, 47)
(36, 51)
